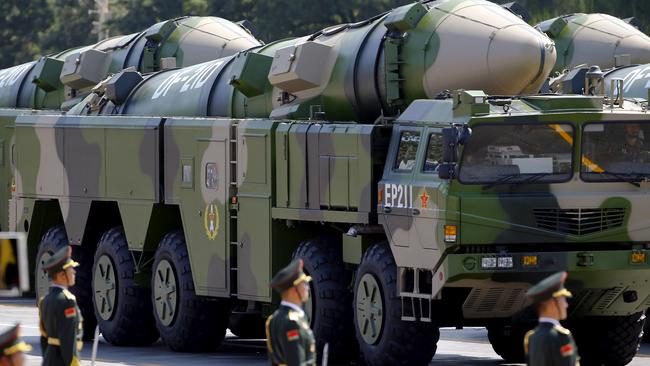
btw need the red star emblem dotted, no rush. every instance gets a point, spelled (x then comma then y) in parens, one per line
(424, 199)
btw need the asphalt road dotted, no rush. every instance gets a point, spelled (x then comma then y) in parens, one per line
(467, 347)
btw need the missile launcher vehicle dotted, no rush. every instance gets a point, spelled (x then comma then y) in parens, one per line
(596, 39)
(184, 191)
(441, 217)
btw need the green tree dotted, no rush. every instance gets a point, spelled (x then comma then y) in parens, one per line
(21, 23)
(284, 18)
(131, 16)
(71, 25)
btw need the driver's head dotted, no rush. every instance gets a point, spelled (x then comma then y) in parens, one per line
(632, 130)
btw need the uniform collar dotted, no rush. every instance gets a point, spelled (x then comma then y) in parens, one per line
(293, 306)
(549, 320)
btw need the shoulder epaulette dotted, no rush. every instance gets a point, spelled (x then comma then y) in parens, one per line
(527, 338)
(294, 316)
(68, 295)
(267, 325)
(562, 329)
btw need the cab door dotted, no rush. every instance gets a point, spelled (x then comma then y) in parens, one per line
(427, 210)
(396, 194)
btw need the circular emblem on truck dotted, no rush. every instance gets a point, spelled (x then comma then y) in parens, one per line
(211, 221)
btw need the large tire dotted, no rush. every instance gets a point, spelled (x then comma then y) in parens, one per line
(186, 322)
(393, 342)
(247, 325)
(507, 339)
(608, 340)
(54, 239)
(122, 307)
(330, 302)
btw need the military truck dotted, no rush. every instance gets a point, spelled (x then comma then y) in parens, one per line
(391, 218)
(182, 220)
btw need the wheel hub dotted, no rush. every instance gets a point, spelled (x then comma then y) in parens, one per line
(104, 285)
(369, 308)
(165, 296)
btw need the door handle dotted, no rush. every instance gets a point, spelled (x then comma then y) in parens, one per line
(416, 211)
(387, 209)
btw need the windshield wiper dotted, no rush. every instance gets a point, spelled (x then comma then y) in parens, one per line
(627, 177)
(528, 178)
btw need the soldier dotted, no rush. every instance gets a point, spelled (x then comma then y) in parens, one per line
(12, 347)
(61, 322)
(632, 147)
(550, 344)
(289, 338)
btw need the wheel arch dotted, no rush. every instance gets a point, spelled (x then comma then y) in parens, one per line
(45, 214)
(164, 219)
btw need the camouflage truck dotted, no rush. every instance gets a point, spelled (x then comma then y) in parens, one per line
(194, 215)
(182, 220)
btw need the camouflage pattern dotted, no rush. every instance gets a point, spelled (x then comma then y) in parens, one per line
(595, 39)
(251, 154)
(36, 84)
(188, 40)
(355, 71)
(511, 217)
(234, 186)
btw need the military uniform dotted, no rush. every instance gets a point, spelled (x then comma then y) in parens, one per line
(637, 153)
(60, 318)
(289, 338)
(550, 344)
(11, 343)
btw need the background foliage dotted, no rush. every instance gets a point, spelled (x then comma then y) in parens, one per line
(29, 28)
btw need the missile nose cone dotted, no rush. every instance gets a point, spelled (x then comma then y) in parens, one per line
(519, 59)
(483, 46)
(637, 46)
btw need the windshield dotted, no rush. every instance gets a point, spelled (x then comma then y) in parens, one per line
(520, 153)
(615, 151)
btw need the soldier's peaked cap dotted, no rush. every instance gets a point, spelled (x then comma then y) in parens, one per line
(59, 261)
(10, 342)
(289, 276)
(549, 288)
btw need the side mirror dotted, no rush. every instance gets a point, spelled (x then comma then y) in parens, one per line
(449, 145)
(446, 170)
(465, 134)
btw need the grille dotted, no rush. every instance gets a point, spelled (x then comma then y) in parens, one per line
(579, 221)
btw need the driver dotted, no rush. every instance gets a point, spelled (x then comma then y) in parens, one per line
(632, 148)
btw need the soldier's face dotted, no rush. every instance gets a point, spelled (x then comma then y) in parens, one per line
(562, 306)
(17, 359)
(71, 276)
(303, 291)
(632, 130)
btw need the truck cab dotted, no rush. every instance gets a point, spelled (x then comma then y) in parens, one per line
(483, 197)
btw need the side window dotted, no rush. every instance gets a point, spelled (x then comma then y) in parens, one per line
(434, 153)
(406, 152)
